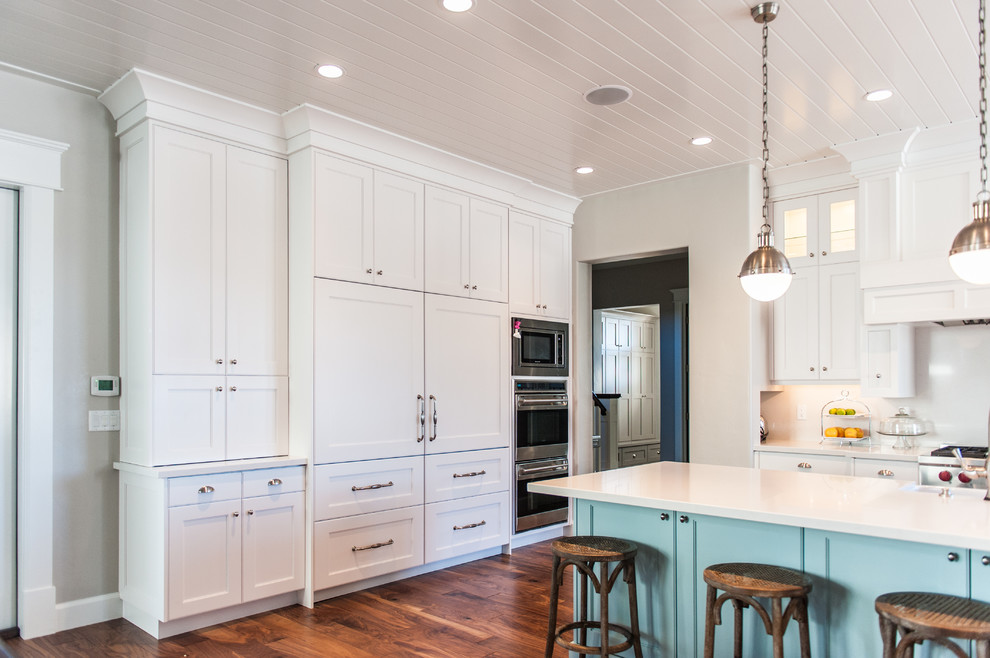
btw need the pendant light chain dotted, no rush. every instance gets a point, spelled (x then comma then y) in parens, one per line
(983, 100)
(766, 131)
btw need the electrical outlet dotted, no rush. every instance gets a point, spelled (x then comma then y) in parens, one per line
(802, 412)
(104, 421)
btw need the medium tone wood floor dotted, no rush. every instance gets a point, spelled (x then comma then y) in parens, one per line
(492, 607)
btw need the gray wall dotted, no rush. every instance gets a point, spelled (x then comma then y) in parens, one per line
(86, 325)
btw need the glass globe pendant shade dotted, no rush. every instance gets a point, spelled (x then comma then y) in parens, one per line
(766, 273)
(970, 253)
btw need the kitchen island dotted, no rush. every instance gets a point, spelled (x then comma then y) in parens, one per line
(856, 537)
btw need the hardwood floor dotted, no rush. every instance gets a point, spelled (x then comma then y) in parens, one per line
(496, 607)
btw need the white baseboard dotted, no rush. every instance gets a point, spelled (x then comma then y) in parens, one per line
(540, 534)
(83, 612)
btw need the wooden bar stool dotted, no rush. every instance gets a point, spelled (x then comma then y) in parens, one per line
(583, 553)
(742, 582)
(920, 616)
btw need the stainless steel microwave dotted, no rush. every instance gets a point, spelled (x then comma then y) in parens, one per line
(539, 348)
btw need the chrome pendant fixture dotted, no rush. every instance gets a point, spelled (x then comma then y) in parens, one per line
(970, 253)
(766, 274)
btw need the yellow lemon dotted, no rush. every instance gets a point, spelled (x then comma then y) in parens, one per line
(852, 433)
(850, 412)
(831, 432)
(834, 411)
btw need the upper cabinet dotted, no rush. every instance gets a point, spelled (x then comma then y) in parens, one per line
(368, 224)
(204, 271)
(817, 323)
(467, 246)
(539, 267)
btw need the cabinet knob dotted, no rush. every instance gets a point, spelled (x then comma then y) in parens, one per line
(219, 362)
(878, 375)
(379, 272)
(233, 389)
(369, 270)
(250, 512)
(811, 254)
(466, 286)
(804, 465)
(219, 389)
(952, 556)
(666, 517)
(634, 455)
(824, 253)
(206, 489)
(683, 518)
(274, 482)
(235, 514)
(537, 306)
(985, 560)
(885, 473)
(233, 362)
(544, 307)
(474, 287)
(824, 368)
(811, 369)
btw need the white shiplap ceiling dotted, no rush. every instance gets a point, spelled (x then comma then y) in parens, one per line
(503, 84)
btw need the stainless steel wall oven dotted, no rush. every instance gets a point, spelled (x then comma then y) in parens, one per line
(535, 510)
(541, 444)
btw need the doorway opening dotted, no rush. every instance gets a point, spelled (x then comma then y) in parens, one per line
(640, 356)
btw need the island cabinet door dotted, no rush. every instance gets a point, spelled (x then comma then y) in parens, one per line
(850, 571)
(706, 540)
(980, 575)
(653, 531)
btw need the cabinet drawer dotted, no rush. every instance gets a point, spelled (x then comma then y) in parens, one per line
(196, 489)
(457, 527)
(274, 481)
(885, 470)
(461, 474)
(368, 486)
(802, 463)
(359, 547)
(632, 456)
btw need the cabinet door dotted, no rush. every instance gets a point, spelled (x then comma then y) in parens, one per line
(257, 417)
(367, 372)
(398, 233)
(188, 419)
(489, 251)
(524, 264)
(839, 321)
(795, 329)
(838, 237)
(204, 557)
(447, 245)
(643, 336)
(189, 254)
(888, 361)
(467, 374)
(343, 209)
(555, 270)
(273, 544)
(796, 231)
(257, 264)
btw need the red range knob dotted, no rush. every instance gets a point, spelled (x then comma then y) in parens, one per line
(964, 478)
(945, 476)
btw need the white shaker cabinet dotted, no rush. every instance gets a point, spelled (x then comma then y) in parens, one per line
(204, 557)
(204, 288)
(539, 267)
(888, 361)
(368, 224)
(467, 246)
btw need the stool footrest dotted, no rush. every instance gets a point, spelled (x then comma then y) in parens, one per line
(594, 626)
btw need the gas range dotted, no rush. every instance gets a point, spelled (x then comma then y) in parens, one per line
(942, 468)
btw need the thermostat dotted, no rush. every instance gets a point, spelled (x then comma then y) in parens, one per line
(105, 386)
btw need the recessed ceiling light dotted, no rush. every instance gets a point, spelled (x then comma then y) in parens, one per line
(330, 70)
(457, 5)
(584, 170)
(608, 95)
(701, 141)
(878, 95)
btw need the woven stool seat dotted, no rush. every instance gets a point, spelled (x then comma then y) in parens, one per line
(583, 553)
(742, 583)
(921, 616)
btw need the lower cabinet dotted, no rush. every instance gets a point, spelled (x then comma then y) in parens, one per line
(892, 469)
(200, 543)
(848, 573)
(641, 454)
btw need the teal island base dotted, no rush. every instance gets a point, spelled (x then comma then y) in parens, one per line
(849, 571)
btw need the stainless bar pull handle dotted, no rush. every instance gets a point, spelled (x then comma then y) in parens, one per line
(469, 475)
(542, 469)
(274, 482)
(422, 419)
(372, 546)
(470, 525)
(368, 487)
(206, 489)
(433, 437)
(885, 473)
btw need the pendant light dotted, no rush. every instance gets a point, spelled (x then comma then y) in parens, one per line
(766, 274)
(970, 253)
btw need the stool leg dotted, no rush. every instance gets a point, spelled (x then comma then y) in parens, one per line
(888, 633)
(737, 628)
(778, 628)
(710, 623)
(983, 649)
(583, 633)
(803, 627)
(603, 596)
(630, 576)
(554, 591)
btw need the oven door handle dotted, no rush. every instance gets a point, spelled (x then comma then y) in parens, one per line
(537, 404)
(542, 469)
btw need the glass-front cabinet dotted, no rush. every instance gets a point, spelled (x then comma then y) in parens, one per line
(818, 229)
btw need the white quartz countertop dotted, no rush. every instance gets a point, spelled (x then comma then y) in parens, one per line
(864, 506)
(874, 451)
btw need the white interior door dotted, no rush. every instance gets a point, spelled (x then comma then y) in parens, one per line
(8, 416)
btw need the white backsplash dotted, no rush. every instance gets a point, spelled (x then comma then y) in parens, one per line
(952, 370)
